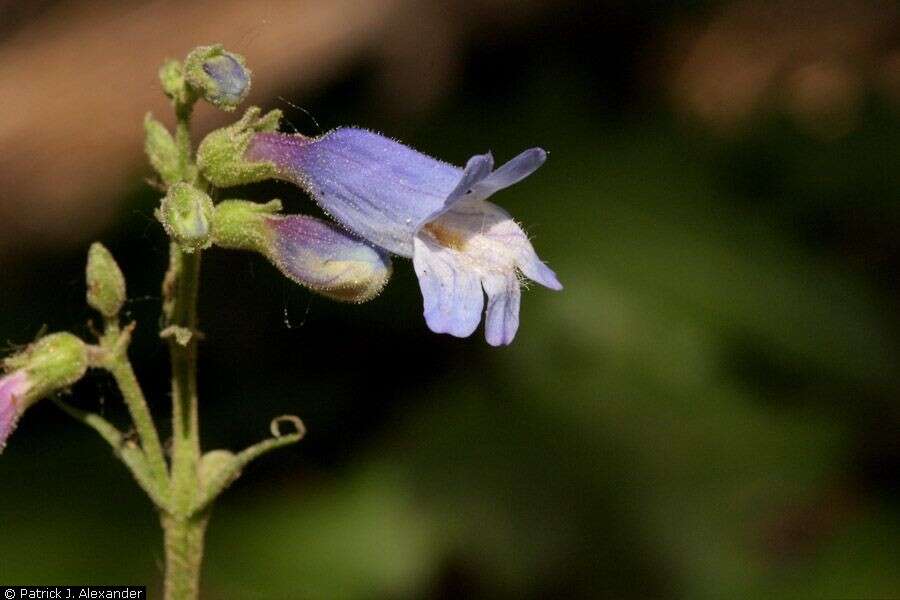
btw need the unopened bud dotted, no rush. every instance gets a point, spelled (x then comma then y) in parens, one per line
(219, 76)
(105, 283)
(185, 214)
(171, 77)
(307, 250)
(161, 150)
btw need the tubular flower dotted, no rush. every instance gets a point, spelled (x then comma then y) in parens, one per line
(13, 388)
(421, 208)
(307, 250)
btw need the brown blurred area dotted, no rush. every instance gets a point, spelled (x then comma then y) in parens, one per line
(76, 79)
(811, 58)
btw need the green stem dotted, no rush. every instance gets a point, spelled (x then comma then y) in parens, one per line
(183, 531)
(120, 368)
(183, 541)
(183, 139)
(185, 431)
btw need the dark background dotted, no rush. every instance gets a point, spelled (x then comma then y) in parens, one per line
(708, 410)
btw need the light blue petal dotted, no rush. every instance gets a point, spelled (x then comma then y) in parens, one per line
(511, 173)
(452, 294)
(535, 269)
(501, 320)
(374, 186)
(477, 169)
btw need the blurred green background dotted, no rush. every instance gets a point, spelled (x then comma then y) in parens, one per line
(708, 410)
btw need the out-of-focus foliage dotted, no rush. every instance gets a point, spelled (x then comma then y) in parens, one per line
(708, 410)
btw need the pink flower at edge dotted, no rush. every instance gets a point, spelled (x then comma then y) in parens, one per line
(13, 388)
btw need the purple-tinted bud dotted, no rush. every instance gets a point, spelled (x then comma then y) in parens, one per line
(13, 388)
(327, 259)
(307, 250)
(218, 75)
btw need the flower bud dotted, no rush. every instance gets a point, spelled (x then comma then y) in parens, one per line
(161, 150)
(185, 213)
(105, 283)
(307, 250)
(219, 76)
(54, 362)
(171, 77)
(220, 156)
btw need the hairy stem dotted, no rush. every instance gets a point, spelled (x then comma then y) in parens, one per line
(185, 426)
(119, 366)
(183, 540)
(183, 139)
(183, 532)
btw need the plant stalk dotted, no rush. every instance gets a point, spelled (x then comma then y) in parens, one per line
(119, 366)
(183, 532)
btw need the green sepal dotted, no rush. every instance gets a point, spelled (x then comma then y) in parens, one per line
(239, 224)
(220, 156)
(105, 282)
(52, 363)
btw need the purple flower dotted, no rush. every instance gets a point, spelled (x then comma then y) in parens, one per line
(421, 208)
(13, 388)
